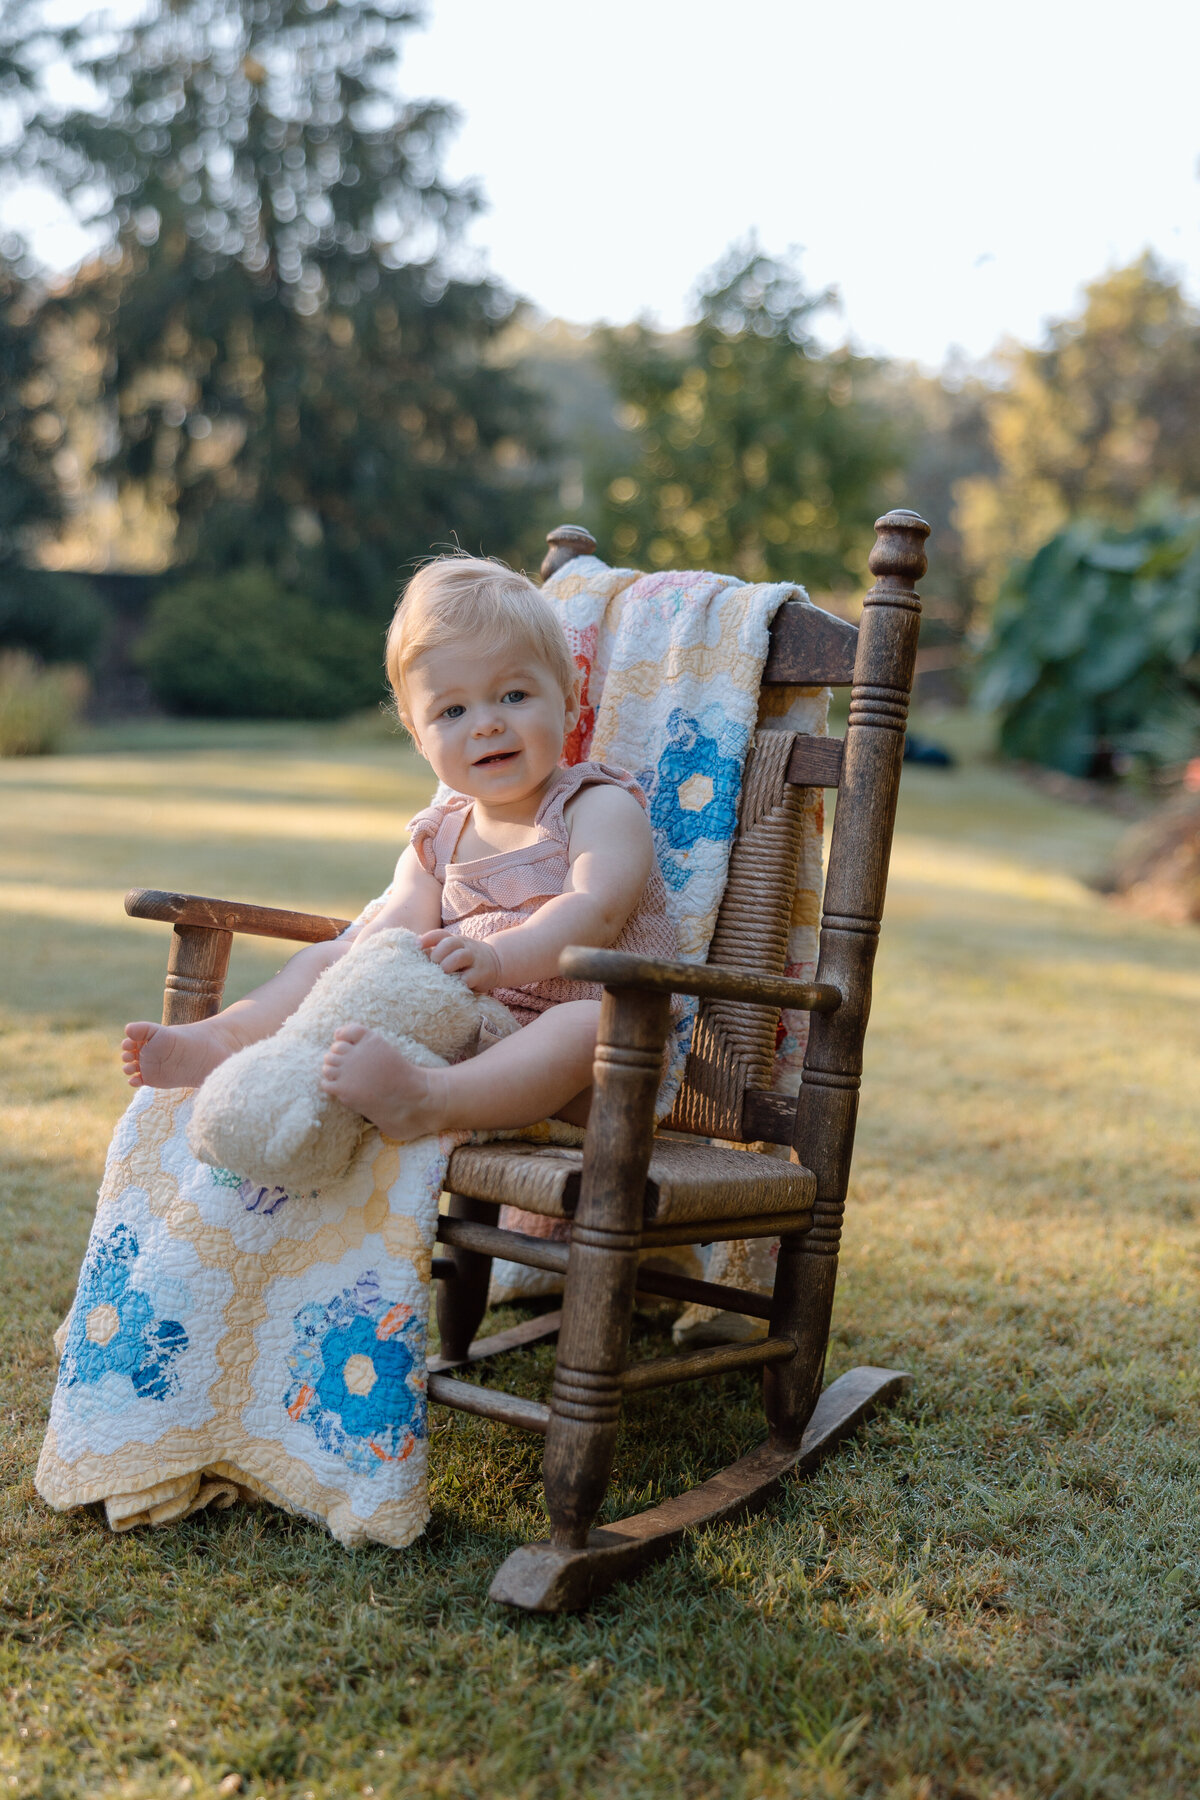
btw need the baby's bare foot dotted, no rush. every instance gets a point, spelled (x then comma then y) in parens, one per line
(371, 1077)
(171, 1056)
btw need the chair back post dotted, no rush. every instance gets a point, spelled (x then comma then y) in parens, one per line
(855, 885)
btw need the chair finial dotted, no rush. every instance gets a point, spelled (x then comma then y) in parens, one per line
(899, 549)
(566, 542)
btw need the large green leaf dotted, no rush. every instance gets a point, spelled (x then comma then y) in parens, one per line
(1093, 643)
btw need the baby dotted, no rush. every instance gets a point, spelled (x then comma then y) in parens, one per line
(523, 858)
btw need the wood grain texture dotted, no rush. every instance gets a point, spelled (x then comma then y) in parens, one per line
(815, 761)
(717, 1231)
(548, 1578)
(232, 915)
(695, 1365)
(488, 1403)
(855, 887)
(461, 1303)
(197, 964)
(517, 1337)
(566, 543)
(473, 1237)
(602, 1268)
(618, 971)
(767, 1117)
(809, 648)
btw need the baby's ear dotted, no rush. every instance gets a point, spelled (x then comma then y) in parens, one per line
(575, 702)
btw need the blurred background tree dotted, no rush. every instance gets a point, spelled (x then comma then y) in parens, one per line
(748, 449)
(276, 383)
(294, 373)
(41, 612)
(1101, 416)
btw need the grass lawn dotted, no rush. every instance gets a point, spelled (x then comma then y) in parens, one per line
(994, 1592)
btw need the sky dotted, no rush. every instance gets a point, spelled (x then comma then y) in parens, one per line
(956, 171)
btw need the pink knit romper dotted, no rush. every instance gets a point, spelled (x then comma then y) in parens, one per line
(492, 893)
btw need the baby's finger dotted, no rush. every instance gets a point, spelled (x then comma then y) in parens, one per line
(448, 947)
(428, 939)
(457, 961)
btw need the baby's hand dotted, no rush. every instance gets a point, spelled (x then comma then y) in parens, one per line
(473, 959)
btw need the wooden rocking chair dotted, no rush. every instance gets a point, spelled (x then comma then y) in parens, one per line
(627, 1190)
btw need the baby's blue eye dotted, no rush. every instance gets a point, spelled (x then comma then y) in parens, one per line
(454, 712)
(516, 694)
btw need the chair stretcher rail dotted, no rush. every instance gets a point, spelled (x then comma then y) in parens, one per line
(665, 1371)
(489, 1403)
(544, 1253)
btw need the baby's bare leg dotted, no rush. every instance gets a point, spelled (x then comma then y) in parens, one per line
(182, 1055)
(529, 1076)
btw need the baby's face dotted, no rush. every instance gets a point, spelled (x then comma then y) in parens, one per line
(491, 722)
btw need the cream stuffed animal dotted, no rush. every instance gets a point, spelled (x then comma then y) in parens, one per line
(262, 1112)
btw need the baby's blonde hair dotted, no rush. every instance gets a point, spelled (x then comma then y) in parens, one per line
(473, 599)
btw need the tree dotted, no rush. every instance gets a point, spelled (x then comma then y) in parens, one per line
(1104, 414)
(941, 424)
(55, 617)
(749, 450)
(292, 368)
(30, 432)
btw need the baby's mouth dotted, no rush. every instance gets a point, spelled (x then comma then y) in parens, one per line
(497, 756)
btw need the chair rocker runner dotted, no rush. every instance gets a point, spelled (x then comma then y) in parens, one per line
(629, 1190)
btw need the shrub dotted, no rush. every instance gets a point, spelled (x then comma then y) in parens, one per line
(1095, 649)
(241, 646)
(57, 617)
(38, 706)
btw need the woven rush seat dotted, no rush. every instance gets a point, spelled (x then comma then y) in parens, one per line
(687, 1181)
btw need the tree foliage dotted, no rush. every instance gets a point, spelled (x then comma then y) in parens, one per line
(238, 645)
(1095, 648)
(30, 432)
(293, 370)
(749, 449)
(55, 617)
(1103, 415)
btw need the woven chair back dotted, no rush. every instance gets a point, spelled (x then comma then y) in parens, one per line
(733, 1043)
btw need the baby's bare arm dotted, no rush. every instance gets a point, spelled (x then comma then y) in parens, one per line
(611, 856)
(415, 901)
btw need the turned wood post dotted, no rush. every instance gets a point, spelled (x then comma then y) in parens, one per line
(566, 542)
(602, 1270)
(197, 964)
(853, 906)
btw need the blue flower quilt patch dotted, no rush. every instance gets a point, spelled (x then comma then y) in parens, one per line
(115, 1329)
(358, 1375)
(693, 790)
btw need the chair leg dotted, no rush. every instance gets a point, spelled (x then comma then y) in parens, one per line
(462, 1302)
(586, 1401)
(598, 1296)
(802, 1308)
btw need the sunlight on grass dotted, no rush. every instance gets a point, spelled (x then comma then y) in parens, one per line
(990, 1595)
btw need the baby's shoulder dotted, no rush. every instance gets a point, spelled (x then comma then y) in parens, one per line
(602, 807)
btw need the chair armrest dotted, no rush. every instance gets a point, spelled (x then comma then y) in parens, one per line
(613, 969)
(231, 915)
